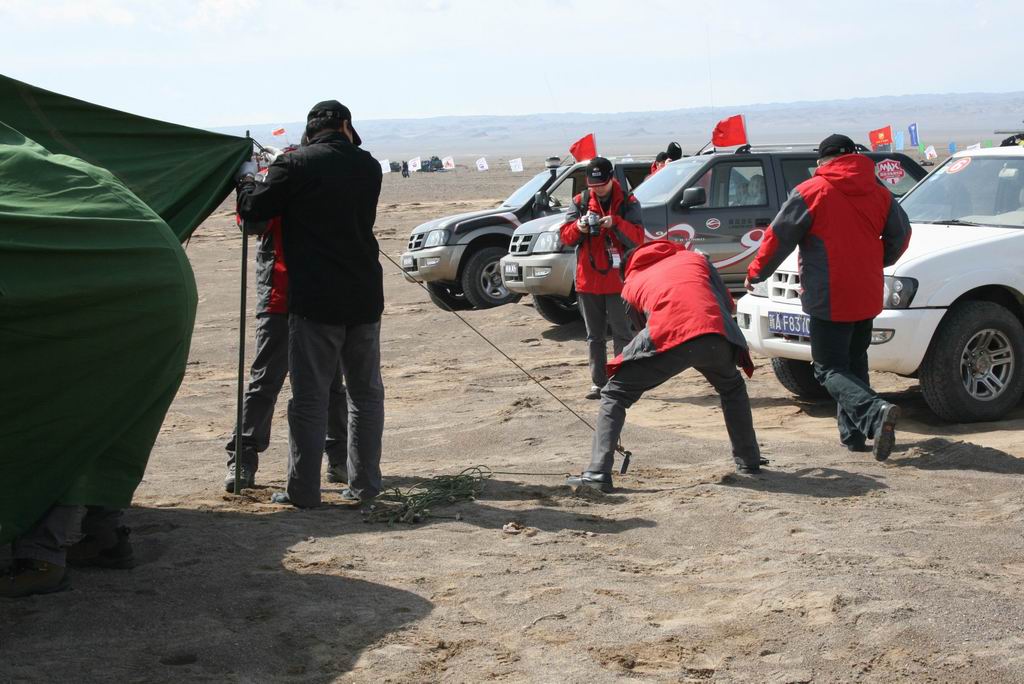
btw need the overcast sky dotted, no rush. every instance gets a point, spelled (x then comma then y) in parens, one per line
(222, 62)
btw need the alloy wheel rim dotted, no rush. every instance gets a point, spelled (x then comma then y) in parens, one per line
(986, 364)
(490, 279)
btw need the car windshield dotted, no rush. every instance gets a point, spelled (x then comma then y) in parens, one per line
(661, 187)
(520, 196)
(968, 191)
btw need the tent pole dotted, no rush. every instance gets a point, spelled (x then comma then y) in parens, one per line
(241, 357)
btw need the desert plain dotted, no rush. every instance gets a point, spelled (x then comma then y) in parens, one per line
(827, 567)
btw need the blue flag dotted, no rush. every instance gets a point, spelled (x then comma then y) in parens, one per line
(914, 142)
(952, 148)
(898, 141)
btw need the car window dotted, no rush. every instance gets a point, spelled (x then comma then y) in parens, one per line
(735, 184)
(796, 171)
(985, 190)
(568, 187)
(665, 184)
(527, 191)
(635, 176)
(894, 176)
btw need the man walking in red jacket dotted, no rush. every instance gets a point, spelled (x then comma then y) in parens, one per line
(848, 227)
(603, 224)
(689, 325)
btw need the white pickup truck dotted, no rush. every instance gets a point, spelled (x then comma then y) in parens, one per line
(954, 302)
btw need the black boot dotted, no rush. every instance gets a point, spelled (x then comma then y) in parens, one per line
(599, 481)
(114, 555)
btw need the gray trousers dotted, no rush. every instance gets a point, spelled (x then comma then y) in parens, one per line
(269, 369)
(715, 358)
(316, 353)
(599, 313)
(51, 535)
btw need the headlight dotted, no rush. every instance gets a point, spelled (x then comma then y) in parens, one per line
(547, 242)
(760, 289)
(899, 292)
(436, 238)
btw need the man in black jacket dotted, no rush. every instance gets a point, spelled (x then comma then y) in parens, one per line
(326, 194)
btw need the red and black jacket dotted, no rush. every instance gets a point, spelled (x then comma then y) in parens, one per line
(683, 297)
(848, 227)
(271, 273)
(594, 271)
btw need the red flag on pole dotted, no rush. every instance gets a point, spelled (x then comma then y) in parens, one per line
(729, 132)
(585, 148)
(880, 136)
(279, 131)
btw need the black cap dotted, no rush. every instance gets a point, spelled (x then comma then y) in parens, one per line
(332, 109)
(662, 156)
(674, 151)
(835, 145)
(599, 171)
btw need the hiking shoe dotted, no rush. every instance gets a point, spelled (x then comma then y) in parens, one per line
(347, 495)
(27, 577)
(594, 393)
(337, 474)
(745, 468)
(885, 436)
(248, 477)
(88, 553)
(602, 482)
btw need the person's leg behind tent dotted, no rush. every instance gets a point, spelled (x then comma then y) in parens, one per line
(40, 555)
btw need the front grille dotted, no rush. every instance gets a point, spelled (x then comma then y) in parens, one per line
(784, 287)
(520, 244)
(416, 241)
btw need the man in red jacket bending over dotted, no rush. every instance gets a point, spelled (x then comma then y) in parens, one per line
(848, 227)
(689, 325)
(603, 224)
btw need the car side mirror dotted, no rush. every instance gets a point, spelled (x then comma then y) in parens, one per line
(693, 197)
(541, 201)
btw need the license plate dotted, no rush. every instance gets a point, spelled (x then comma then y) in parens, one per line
(409, 263)
(511, 270)
(781, 323)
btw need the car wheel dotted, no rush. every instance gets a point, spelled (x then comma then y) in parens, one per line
(798, 377)
(481, 279)
(973, 368)
(557, 310)
(448, 297)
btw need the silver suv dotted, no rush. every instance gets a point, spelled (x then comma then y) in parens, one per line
(457, 257)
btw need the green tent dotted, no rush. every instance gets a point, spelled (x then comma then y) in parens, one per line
(97, 298)
(181, 173)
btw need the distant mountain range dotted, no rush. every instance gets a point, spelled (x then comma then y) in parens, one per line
(963, 117)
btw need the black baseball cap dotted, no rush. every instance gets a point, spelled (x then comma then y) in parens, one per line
(674, 151)
(332, 109)
(599, 171)
(835, 145)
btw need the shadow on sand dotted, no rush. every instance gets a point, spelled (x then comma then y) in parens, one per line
(817, 482)
(215, 596)
(942, 454)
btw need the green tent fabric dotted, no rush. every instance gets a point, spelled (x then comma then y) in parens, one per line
(97, 305)
(182, 173)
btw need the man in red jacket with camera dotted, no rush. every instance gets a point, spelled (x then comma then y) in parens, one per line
(603, 224)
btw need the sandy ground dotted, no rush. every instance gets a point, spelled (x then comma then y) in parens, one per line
(828, 567)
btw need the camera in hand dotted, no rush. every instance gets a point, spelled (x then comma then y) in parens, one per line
(593, 222)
